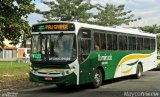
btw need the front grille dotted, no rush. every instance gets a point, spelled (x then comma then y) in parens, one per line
(42, 73)
(48, 73)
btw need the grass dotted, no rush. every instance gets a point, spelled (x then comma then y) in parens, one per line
(13, 68)
(14, 75)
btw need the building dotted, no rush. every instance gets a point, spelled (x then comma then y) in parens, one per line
(13, 53)
(23, 50)
(8, 52)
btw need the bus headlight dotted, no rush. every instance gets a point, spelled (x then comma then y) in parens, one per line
(72, 69)
(69, 71)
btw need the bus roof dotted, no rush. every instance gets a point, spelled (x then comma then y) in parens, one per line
(114, 29)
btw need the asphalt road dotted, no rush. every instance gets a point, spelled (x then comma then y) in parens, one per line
(147, 86)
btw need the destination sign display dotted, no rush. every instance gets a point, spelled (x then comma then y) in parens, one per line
(53, 27)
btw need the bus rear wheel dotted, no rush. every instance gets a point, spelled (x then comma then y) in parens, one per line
(97, 79)
(139, 71)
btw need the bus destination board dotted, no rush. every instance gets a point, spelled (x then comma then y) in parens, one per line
(53, 27)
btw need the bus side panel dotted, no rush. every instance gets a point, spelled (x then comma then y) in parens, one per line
(150, 62)
(128, 64)
(109, 60)
(115, 63)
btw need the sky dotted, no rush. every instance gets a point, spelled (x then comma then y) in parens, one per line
(148, 10)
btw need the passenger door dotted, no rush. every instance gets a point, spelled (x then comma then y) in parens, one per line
(84, 48)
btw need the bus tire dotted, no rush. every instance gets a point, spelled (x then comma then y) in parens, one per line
(97, 82)
(139, 71)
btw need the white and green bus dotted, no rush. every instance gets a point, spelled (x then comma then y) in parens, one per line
(73, 53)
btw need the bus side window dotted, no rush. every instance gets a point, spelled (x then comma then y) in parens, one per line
(139, 43)
(123, 42)
(96, 46)
(146, 44)
(84, 44)
(131, 43)
(152, 44)
(114, 42)
(99, 41)
(103, 41)
(109, 42)
(96, 42)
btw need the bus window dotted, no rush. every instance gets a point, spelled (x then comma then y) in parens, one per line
(132, 43)
(36, 47)
(149, 44)
(103, 41)
(96, 42)
(84, 44)
(122, 42)
(152, 44)
(114, 42)
(85, 33)
(99, 41)
(109, 42)
(146, 44)
(139, 43)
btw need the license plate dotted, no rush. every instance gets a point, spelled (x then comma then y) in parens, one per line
(48, 78)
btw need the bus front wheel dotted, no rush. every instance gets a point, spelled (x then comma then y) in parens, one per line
(97, 79)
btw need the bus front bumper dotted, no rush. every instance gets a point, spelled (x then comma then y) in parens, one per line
(70, 79)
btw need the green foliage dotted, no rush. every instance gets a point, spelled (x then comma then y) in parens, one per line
(67, 10)
(13, 24)
(151, 29)
(80, 10)
(114, 15)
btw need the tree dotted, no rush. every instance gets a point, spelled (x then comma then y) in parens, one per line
(13, 23)
(151, 29)
(67, 10)
(110, 15)
(79, 10)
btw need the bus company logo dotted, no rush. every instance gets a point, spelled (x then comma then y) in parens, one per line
(104, 57)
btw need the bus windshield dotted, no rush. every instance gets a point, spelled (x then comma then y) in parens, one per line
(54, 47)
